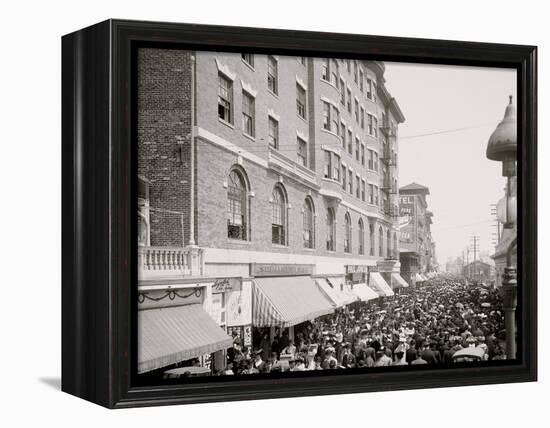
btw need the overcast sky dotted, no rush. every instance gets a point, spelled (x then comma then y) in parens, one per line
(462, 181)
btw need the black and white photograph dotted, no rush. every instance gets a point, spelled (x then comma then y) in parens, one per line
(300, 214)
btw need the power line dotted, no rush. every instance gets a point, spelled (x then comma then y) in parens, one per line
(447, 131)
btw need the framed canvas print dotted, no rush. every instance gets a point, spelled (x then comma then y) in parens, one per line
(252, 213)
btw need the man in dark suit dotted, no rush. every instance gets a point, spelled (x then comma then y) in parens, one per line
(430, 355)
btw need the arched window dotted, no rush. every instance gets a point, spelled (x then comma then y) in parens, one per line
(380, 242)
(331, 228)
(361, 231)
(371, 239)
(308, 223)
(347, 239)
(388, 244)
(237, 207)
(278, 216)
(395, 246)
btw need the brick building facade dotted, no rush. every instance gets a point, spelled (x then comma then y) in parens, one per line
(295, 164)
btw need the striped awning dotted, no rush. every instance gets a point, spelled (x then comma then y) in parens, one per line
(336, 290)
(398, 281)
(378, 284)
(287, 301)
(170, 335)
(364, 292)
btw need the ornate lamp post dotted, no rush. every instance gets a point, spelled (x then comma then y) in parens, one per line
(502, 147)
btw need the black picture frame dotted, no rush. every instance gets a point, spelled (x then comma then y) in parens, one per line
(98, 184)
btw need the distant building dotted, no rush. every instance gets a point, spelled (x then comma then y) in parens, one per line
(478, 271)
(417, 249)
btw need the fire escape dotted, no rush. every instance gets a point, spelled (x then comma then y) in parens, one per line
(389, 159)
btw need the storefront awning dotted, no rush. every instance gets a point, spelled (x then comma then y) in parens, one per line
(398, 281)
(364, 292)
(378, 284)
(170, 335)
(336, 290)
(287, 301)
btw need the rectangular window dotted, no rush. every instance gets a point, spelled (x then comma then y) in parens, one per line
(376, 195)
(371, 194)
(363, 154)
(357, 186)
(342, 92)
(371, 160)
(248, 114)
(371, 124)
(325, 73)
(369, 89)
(248, 58)
(272, 75)
(300, 101)
(355, 75)
(361, 78)
(326, 116)
(328, 165)
(350, 182)
(335, 120)
(363, 190)
(344, 177)
(362, 118)
(357, 145)
(334, 73)
(225, 99)
(357, 111)
(335, 167)
(375, 124)
(343, 134)
(349, 99)
(273, 133)
(302, 152)
(350, 141)
(376, 161)
(374, 91)
(348, 62)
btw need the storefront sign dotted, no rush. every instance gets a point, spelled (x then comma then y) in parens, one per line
(386, 265)
(221, 285)
(271, 269)
(356, 269)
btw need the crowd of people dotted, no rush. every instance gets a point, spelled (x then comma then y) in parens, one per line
(426, 324)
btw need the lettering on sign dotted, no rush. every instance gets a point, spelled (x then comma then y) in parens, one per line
(221, 285)
(357, 269)
(269, 269)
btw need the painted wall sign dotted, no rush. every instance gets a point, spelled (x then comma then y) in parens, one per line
(272, 269)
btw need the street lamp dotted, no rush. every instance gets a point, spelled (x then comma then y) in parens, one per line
(502, 147)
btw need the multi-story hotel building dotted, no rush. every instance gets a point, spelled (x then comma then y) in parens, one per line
(417, 248)
(268, 189)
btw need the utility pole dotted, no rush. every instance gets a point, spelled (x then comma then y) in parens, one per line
(496, 222)
(475, 249)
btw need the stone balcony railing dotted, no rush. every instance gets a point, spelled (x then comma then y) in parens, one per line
(164, 262)
(281, 161)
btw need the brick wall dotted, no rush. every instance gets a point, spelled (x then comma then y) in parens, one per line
(164, 88)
